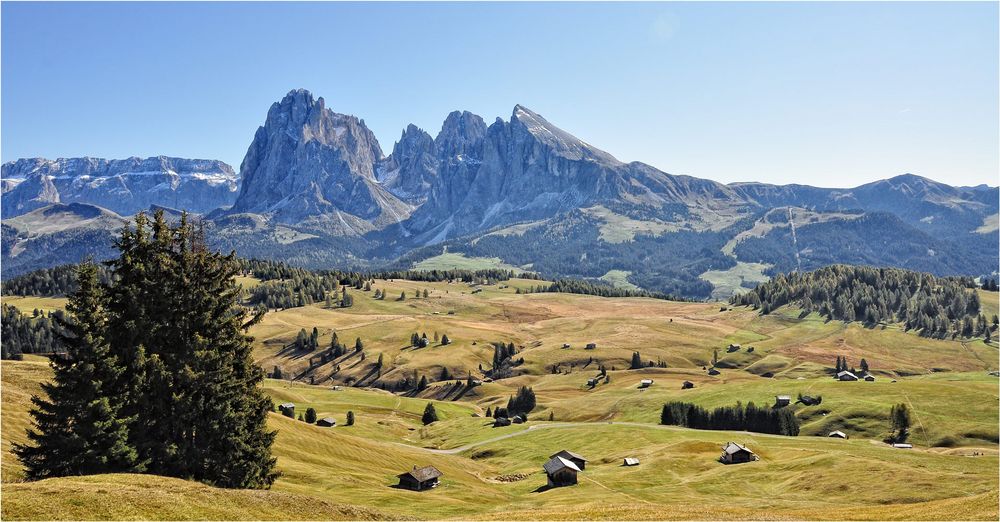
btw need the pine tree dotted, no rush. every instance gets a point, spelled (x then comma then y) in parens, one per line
(78, 427)
(445, 340)
(637, 361)
(489, 412)
(430, 415)
(358, 345)
(350, 418)
(422, 384)
(190, 379)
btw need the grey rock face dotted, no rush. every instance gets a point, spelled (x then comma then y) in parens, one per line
(412, 168)
(124, 186)
(310, 164)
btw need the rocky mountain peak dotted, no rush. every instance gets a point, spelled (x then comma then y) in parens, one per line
(462, 133)
(308, 162)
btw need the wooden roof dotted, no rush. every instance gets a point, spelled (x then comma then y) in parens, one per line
(569, 455)
(422, 474)
(557, 464)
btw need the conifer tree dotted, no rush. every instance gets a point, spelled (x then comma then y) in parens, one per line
(77, 428)
(190, 379)
(350, 418)
(310, 415)
(358, 345)
(445, 340)
(430, 415)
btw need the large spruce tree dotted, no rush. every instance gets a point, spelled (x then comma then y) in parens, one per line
(78, 427)
(187, 385)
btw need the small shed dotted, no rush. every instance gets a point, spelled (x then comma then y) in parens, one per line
(560, 472)
(575, 458)
(420, 479)
(713, 371)
(870, 378)
(326, 422)
(565, 345)
(591, 346)
(733, 453)
(733, 348)
(631, 461)
(645, 383)
(500, 422)
(592, 382)
(687, 385)
(846, 376)
(838, 434)
(782, 400)
(903, 446)
(288, 408)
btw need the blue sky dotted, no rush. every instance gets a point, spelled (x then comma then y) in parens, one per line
(828, 94)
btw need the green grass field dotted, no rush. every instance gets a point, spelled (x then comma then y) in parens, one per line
(495, 473)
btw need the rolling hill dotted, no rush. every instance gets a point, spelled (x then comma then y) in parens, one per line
(491, 473)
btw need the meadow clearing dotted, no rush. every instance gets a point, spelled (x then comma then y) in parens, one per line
(348, 472)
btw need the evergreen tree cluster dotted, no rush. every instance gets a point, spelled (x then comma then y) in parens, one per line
(57, 281)
(20, 334)
(503, 360)
(522, 403)
(935, 306)
(484, 276)
(158, 375)
(780, 421)
(989, 284)
(575, 286)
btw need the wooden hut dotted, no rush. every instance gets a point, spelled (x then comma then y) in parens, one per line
(687, 385)
(560, 472)
(575, 458)
(838, 434)
(287, 408)
(782, 400)
(631, 461)
(420, 479)
(733, 453)
(645, 383)
(326, 422)
(846, 376)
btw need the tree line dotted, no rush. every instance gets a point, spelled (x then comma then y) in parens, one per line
(158, 375)
(57, 281)
(935, 306)
(21, 334)
(779, 421)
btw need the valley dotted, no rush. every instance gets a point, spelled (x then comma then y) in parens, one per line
(349, 471)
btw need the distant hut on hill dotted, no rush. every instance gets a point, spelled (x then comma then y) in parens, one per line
(687, 385)
(782, 400)
(287, 408)
(631, 461)
(591, 346)
(902, 445)
(713, 371)
(838, 434)
(870, 378)
(645, 383)
(575, 458)
(420, 479)
(846, 376)
(326, 422)
(733, 453)
(733, 348)
(560, 471)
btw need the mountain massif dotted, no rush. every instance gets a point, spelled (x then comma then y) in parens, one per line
(315, 189)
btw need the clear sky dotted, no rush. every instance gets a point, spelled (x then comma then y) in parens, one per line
(827, 94)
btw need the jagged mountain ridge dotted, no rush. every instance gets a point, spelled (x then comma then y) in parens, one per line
(317, 190)
(309, 165)
(123, 186)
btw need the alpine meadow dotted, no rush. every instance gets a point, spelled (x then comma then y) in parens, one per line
(496, 319)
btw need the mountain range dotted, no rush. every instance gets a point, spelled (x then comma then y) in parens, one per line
(316, 189)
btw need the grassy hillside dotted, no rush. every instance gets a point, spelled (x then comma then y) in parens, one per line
(495, 473)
